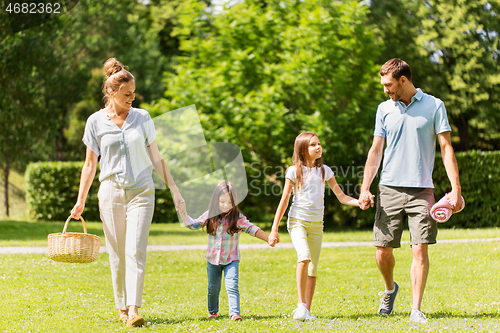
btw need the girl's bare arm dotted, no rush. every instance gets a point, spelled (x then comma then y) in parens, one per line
(283, 205)
(343, 198)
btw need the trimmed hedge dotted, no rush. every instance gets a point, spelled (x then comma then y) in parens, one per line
(479, 176)
(52, 190)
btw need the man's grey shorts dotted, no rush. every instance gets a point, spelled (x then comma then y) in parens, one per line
(394, 204)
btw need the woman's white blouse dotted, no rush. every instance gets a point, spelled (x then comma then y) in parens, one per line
(122, 150)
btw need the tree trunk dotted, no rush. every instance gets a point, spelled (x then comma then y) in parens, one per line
(463, 133)
(60, 150)
(6, 187)
(61, 141)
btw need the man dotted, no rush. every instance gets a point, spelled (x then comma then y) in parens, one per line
(409, 122)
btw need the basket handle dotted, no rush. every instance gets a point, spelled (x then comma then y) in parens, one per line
(76, 218)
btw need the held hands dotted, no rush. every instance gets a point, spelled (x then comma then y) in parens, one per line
(274, 238)
(366, 200)
(180, 205)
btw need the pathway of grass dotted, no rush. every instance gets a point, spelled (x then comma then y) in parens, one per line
(39, 295)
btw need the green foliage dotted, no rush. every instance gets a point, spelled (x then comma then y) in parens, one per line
(47, 70)
(49, 80)
(77, 116)
(52, 190)
(164, 208)
(101, 30)
(21, 101)
(452, 47)
(479, 174)
(260, 75)
(462, 36)
(397, 22)
(44, 71)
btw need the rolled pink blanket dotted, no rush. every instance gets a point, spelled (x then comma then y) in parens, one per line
(442, 210)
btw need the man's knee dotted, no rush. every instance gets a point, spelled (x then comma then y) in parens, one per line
(384, 252)
(420, 252)
(384, 255)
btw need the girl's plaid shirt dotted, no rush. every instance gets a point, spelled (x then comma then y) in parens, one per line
(222, 248)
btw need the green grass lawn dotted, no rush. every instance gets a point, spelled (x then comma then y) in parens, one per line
(39, 295)
(19, 233)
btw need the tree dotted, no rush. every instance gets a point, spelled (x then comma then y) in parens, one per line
(461, 37)
(399, 24)
(452, 47)
(45, 70)
(259, 75)
(21, 102)
(138, 34)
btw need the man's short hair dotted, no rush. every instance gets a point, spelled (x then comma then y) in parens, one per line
(397, 68)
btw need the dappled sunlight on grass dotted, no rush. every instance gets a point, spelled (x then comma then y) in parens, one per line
(40, 295)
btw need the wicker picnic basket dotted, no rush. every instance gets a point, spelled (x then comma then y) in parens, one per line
(74, 247)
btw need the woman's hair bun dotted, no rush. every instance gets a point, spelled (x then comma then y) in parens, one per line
(112, 66)
(116, 76)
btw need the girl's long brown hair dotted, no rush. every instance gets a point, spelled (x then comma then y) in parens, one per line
(301, 155)
(232, 216)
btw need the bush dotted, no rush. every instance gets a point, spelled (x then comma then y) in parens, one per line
(479, 174)
(52, 190)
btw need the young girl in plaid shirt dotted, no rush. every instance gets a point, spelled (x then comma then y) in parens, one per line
(223, 222)
(306, 178)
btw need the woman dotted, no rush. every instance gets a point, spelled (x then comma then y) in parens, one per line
(124, 137)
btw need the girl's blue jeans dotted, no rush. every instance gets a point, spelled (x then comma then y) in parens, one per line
(231, 276)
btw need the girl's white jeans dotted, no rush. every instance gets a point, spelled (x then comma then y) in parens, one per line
(126, 215)
(306, 239)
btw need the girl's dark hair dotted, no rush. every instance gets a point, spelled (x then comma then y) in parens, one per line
(301, 154)
(232, 216)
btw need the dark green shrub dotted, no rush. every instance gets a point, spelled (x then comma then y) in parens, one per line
(52, 190)
(479, 175)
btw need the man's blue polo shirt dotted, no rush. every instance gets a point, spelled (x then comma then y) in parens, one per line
(410, 133)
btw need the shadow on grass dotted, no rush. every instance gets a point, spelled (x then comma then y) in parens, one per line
(205, 319)
(170, 321)
(406, 315)
(15, 230)
(442, 315)
(265, 317)
(355, 316)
